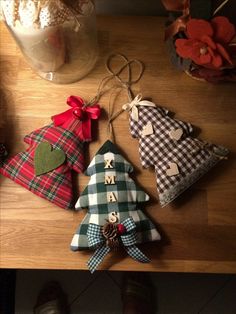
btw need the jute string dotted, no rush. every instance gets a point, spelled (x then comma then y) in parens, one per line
(119, 85)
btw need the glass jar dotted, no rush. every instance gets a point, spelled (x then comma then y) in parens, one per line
(57, 37)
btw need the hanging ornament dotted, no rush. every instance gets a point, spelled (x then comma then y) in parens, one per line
(114, 219)
(54, 151)
(178, 158)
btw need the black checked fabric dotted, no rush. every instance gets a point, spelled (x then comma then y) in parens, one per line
(190, 155)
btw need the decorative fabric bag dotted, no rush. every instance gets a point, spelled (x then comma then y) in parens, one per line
(115, 217)
(54, 151)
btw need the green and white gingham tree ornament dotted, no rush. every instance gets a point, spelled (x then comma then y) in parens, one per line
(114, 217)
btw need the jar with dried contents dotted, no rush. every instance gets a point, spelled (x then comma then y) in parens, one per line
(58, 38)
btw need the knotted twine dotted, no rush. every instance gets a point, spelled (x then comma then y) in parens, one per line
(120, 84)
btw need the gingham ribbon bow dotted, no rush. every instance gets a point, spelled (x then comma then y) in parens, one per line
(128, 239)
(133, 106)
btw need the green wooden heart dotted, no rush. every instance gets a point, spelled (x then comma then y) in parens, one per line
(46, 159)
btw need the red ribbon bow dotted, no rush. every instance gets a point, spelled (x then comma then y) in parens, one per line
(81, 112)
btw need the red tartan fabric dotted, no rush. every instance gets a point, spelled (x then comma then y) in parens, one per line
(55, 186)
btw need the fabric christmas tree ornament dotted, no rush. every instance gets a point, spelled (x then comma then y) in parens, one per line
(114, 216)
(167, 144)
(54, 151)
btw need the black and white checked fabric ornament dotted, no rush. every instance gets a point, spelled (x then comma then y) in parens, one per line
(112, 197)
(166, 144)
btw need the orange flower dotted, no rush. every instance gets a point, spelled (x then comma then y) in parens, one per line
(207, 42)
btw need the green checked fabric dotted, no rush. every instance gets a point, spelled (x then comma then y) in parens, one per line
(119, 195)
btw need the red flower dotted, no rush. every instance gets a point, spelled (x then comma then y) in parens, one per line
(207, 42)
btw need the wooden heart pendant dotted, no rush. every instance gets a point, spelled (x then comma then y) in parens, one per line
(176, 134)
(173, 170)
(147, 129)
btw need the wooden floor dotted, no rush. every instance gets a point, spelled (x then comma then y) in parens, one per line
(198, 229)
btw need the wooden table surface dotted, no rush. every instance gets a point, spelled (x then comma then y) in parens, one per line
(198, 229)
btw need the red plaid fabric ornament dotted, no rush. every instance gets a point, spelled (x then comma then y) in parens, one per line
(54, 185)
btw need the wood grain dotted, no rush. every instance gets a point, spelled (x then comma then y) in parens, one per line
(198, 229)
